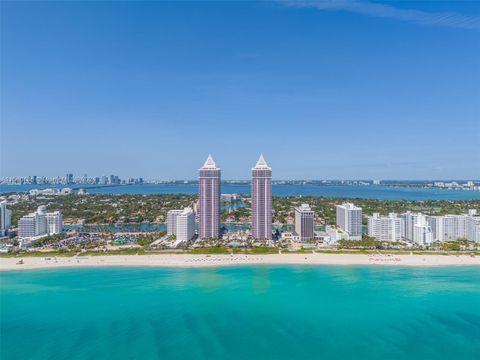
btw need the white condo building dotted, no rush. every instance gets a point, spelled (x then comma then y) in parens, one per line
(172, 221)
(181, 223)
(422, 232)
(415, 228)
(54, 222)
(40, 223)
(454, 227)
(304, 222)
(349, 218)
(185, 227)
(385, 228)
(5, 218)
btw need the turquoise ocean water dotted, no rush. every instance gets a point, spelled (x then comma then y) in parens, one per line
(257, 312)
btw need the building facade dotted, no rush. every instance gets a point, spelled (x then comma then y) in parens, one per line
(262, 200)
(422, 232)
(385, 228)
(455, 227)
(40, 223)
(416, 228)
(181, 223)
(172, 221)
(304, 222)
(349, 219)
(54, 222)
(209, 200)
(185, 225)
(5, 218)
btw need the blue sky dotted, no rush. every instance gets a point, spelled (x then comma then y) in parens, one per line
(323, 89)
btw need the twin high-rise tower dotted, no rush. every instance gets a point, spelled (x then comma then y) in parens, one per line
(209, 200)
(262, 200)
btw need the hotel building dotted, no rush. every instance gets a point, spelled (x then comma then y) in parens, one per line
(40, 223)
(262, 200)
(304, 222)
(209, 200)
(349, 219)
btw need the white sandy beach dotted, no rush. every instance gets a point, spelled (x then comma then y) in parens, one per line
(190, 260)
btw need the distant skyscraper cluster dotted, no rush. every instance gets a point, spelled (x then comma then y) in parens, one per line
(69, 179)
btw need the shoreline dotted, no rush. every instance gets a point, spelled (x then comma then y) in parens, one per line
(197, 261)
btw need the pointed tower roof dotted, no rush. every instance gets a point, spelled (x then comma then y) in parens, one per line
(261, 164)
(209, 164)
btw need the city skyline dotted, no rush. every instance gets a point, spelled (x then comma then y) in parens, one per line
(106, 180)
(368, 91)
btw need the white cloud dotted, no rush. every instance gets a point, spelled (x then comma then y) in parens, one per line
(388, 11)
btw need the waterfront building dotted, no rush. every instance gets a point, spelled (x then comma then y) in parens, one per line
(415, 228)
(472, 228)
(436, 224)
(27, 226)
(54, 222)
(454, 227)
(262, 200)
(385, 228)
(209, 200)
(40, 223)
(349, 219)
(409, 219)
(422, 232)
(34, 224)
(172, 221)
(304, 222)
(185, 225)
(69, 179)
(5, 218)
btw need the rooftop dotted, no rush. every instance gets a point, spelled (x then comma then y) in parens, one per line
(261, 164)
